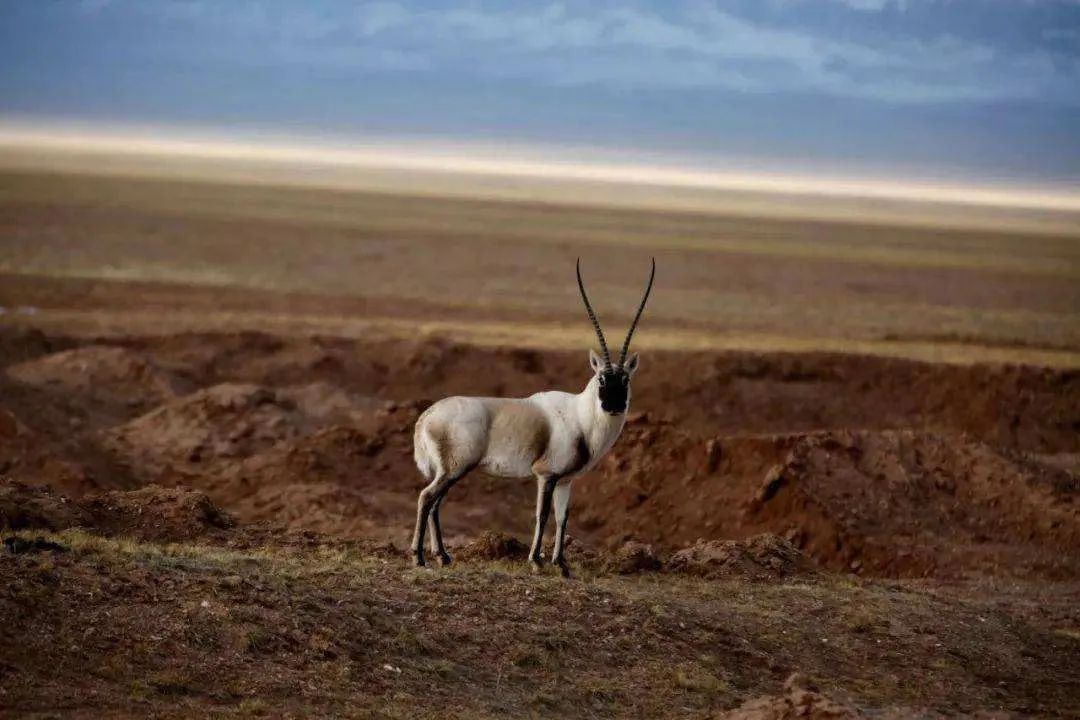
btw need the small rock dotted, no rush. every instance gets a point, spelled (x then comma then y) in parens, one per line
(760, 557)
(800, 700)
(494, 546)
(633, 557)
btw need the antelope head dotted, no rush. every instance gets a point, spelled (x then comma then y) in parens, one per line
(612, 380)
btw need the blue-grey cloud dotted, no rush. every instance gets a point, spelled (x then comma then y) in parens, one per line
(878, 49)
(980, 81)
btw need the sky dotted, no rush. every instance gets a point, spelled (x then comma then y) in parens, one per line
(957, 89)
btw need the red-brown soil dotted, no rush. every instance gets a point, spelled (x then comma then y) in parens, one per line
(861, 462)
(883, 502)
(801, 486)
(757, 557)
(151, 513)
(104, 374)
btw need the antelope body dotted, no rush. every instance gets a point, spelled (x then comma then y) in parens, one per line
(552, 436)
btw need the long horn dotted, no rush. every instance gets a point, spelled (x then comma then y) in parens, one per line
(641, 307)
(592, 316)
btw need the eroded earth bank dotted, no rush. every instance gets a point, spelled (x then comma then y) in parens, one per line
(215, 524)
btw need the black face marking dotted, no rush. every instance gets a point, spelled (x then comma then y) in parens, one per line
(614, 389)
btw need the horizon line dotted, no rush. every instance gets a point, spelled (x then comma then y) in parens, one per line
(536, 161)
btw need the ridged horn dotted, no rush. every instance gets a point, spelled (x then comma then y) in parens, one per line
(592, 317)
(641, 307)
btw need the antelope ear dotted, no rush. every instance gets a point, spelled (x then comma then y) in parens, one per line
(631, 364)
(595, 361)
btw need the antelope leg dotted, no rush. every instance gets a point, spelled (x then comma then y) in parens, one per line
(435, 528)
(562, 511)
(545, 487)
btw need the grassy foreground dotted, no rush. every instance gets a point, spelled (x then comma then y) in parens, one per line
(120, 628)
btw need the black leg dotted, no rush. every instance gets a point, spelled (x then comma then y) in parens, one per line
(435, 528)
(427, 512)
(423, 507)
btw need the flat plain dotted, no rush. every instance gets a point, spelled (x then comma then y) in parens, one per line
(477, 269)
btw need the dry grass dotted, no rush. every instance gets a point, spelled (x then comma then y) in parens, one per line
(397, 215)
(338, 632)
(496, 272)
(543, 336)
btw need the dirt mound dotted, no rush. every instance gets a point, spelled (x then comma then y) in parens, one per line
(320, 439)
(1026, 408)
(799, 701)
(361, 367)
(321, 506)
(359, 480)
(31, 457)
(330, 403)
(227, 421)
(109, 375)
(337, 454)
(911, 503)
(310, 458)
(49, 438)
(150, 513)
(332, 481)
(762, 557)
(26, 507)
(156, 514)
(667, 487)
(494, 546)
(632, 557)
(898, 503)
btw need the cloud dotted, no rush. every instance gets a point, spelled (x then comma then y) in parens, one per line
(699, 44)
(867, 5)
(92, 7)
(693, 43)
(375, 17)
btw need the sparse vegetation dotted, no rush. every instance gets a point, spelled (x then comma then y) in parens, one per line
(576, 649)
(234, 257)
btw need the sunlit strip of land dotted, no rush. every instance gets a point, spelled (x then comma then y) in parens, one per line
(534, 174)
(543, 336)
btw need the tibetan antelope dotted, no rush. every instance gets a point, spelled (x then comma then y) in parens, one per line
(553, 436)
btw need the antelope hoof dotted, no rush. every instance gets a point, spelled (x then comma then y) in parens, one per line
(564, 568)
(445, 559)
(537, 566)
(418, 561)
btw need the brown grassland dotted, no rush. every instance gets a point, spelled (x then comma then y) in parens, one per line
(853, 455)
(498, 270)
